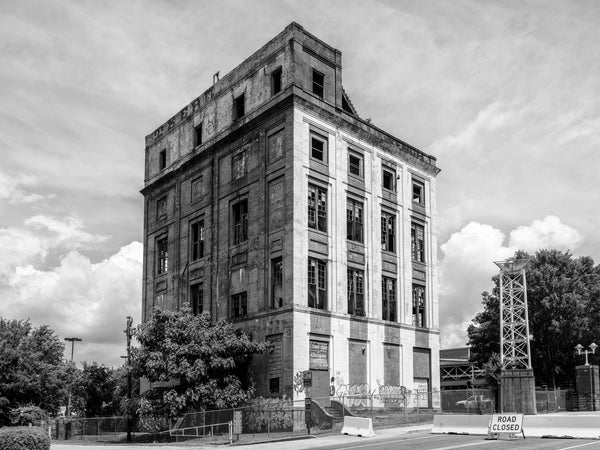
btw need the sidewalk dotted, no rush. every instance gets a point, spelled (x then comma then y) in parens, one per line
(253, 442)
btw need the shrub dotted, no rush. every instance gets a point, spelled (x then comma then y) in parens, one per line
(26, 415)
(24, 438)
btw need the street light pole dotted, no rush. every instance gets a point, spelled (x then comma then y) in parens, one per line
(128, 334)
(72, 340)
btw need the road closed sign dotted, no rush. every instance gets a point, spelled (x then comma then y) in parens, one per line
(506, 423)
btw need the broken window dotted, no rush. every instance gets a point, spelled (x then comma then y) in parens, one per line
(240, 222)
(418, 301)
(277, 282)
(162, 255)
(356, 292)
(388, 231)
(417, 242)
(317, 207)
(317, 283)
(354, 220)
(197, 240)
(388, 299)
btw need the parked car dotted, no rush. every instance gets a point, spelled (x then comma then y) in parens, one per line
(475, 401)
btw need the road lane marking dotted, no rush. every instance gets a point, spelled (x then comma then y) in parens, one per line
(580, 445)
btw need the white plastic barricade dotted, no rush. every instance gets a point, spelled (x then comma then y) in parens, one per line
(358, 426)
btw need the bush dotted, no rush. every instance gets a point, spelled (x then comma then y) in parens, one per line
(24, 438)
(28, 415)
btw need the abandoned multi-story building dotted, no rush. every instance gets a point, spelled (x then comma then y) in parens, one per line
(269, 202)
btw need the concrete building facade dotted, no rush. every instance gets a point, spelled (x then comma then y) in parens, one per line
(269, 202)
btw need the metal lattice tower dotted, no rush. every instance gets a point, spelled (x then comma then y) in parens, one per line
(514, 318)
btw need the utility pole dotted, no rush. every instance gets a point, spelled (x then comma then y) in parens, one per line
(72, 340)
(128, 334)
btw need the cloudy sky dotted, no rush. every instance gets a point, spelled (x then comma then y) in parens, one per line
(504, 93)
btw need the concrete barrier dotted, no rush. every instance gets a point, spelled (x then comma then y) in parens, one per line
(578, 426)
(358, 426)
(460, 424)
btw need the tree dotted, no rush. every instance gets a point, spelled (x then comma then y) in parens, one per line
(32, 370)
(562, 299)
(94, 391)
(202, 365)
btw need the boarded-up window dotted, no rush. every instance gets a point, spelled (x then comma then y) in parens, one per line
(318, 355)
(391, 365)
(161, 208)
(197, 188)
(276, 205)
(274, 368)
(358, 362)
(421, 363)
(275, 142)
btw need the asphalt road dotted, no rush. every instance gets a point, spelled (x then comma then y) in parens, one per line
(385, 439)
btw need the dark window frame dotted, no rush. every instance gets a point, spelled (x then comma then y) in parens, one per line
(389, 299)
(162, 159)
(318, 83)
(197, 240)
(322, 142)
(276, 282)
(276, 81)
(197, 298)
(198, 134)
(417, 242)
(356, 168)
(239, 106)
(239, 305)
(388, 231)
(355, 220)
(317, 207)
(419, 305)
(418, 192)
(239, 221)
(317, 283)
(162, 255)
(356, 292)
(392, 177)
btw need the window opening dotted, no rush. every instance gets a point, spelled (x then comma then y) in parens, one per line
(356, 294)
(317, 283)
(354, 220)
(317, 207)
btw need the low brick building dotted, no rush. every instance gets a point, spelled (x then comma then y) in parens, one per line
(269, 202)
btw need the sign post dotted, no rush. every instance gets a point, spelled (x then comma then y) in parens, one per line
(510, 423)
(307, 379)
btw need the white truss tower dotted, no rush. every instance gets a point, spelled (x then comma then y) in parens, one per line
(514, 318)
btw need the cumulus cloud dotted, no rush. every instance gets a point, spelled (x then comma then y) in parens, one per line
(12, 188)
(74, 296)
(41, 234)
(547, 233)
(467, 266)
(81, 298)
